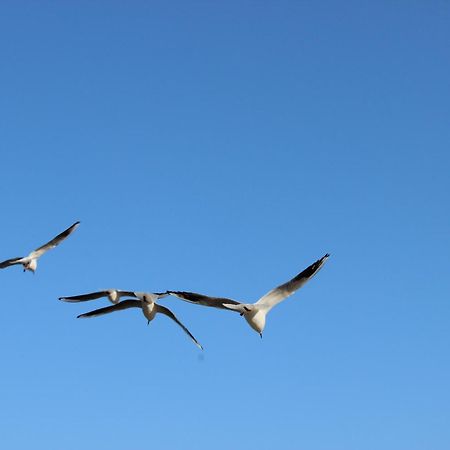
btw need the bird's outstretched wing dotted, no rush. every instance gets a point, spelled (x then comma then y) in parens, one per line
(109, 309)
(11, 262)
(283, 291)
(93, 296)
(54, 242)
(169, 313)
(200, 299)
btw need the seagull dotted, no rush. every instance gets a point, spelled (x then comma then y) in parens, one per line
(114, 296)
(255, 313)
(30, 262)
(147, 302)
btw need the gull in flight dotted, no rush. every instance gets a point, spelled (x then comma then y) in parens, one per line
(30, 262)
(147, 302)
(114, 296)
(255, 313)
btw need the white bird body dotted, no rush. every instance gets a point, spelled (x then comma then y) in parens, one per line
(255, 313)
(149, 310)
(113, 296)
(256, 318)
(30, 264)
(149, 307)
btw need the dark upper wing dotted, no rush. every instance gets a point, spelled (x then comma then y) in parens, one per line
(94, 296)
(199, 299)
(109, 309)
(85, 297)
(54, 242)
(169, 313)
(278, 294)
(127, 293)
(11, 262)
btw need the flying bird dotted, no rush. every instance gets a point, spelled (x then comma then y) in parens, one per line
(30, 262)
(147, 302)
(114, 296)
(255, 313)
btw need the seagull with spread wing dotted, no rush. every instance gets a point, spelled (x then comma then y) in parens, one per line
(114, 296)
(255, 313)
(147, 302)
(30, 262)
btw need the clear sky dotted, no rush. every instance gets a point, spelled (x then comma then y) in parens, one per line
(221, 147)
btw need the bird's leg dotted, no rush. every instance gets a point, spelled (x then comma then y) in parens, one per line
(148, 322)
(260, 335)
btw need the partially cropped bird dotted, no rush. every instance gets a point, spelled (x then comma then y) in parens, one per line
(30, 262)
(147, 302)
(255, 313)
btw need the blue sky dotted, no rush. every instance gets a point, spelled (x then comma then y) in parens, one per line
(222, 148)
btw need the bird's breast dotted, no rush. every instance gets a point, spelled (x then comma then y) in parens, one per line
(149, 310)
(256, 319)
(113, 296)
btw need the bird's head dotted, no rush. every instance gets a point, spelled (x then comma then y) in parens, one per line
(31, 266)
